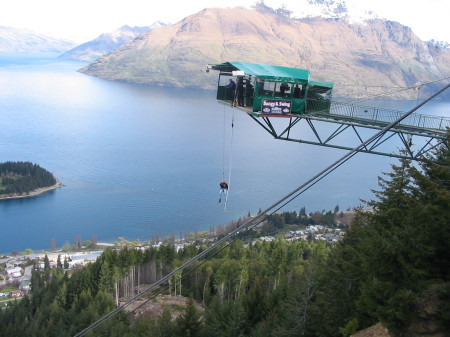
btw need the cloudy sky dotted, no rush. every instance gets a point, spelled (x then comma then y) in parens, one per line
(84, 20)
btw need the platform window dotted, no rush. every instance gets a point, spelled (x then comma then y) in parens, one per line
(266, 88)
(283, 89)
(298, 91)
(222, 92)
(224, 80)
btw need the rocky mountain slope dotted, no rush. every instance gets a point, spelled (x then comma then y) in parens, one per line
(14, 40)
(107, 42)
(360, 58)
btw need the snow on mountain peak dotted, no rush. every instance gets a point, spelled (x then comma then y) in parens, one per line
(333, 9)
(440, 44)
(348, 10)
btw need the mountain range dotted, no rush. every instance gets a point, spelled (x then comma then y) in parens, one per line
(107, 42)
(360, 52)
(16, 40)
(369, 57)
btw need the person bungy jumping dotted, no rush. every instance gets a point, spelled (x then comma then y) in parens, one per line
(223, 189)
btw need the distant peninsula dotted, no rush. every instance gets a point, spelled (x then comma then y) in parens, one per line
(25, 179)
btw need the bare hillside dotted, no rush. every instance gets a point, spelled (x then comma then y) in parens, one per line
(374, 57)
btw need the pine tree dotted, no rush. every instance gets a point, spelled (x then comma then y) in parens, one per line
(189, 323)
(164, 325)
(432, 197)
(46, 263)
(401, 250)
(59, 263)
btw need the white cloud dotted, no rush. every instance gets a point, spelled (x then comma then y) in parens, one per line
(428, 19)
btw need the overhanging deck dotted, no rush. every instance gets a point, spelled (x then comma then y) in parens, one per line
(378, 118)
(431, 130)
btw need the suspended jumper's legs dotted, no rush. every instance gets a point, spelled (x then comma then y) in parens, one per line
(223, 189)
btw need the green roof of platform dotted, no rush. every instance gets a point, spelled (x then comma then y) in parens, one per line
(322, 84)
(266, 71)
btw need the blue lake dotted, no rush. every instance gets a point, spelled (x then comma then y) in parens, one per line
(137, 159)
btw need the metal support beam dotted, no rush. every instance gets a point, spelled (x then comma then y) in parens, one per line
(418, 134)
(404, 135)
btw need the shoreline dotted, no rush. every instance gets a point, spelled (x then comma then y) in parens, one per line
(35, 192)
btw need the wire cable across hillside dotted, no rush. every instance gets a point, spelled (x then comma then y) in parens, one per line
(245, 228)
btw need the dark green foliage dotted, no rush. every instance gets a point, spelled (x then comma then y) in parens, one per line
(164, 325)
(66, 263)
(23, 177)
(279, 222)
(350, 328)
(59, 263)
(391, 256)
(224, 319)
(46, 263)
(402, 247)
(188, 323)
(61, 306)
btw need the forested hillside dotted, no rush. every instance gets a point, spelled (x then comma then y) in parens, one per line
(23, 177)
(393, 267)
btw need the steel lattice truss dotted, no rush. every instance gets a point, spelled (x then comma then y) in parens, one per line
(347, 126)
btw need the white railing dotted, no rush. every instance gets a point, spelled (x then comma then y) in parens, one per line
(388, 116)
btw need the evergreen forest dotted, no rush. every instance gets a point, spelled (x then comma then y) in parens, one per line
(393, 267)
(17, 178)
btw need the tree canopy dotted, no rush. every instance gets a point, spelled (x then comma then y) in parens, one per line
(23, 177)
